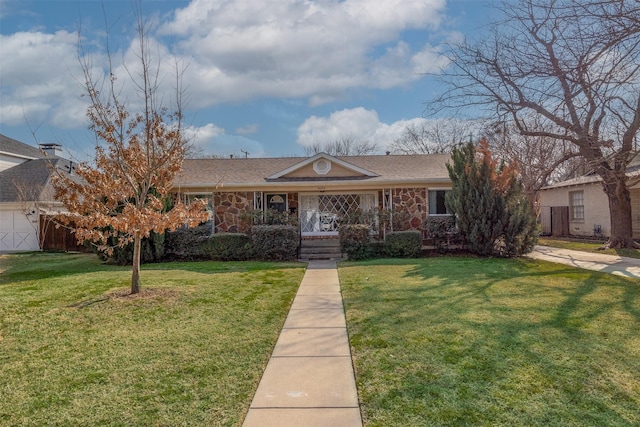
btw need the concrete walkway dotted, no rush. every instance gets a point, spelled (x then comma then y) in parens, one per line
(309, 380)
(622, 266)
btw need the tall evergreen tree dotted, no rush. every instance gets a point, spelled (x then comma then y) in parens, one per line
(492, 210)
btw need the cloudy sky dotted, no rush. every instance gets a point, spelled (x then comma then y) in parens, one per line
(269, 77)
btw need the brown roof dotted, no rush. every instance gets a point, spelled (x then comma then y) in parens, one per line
(239, 172)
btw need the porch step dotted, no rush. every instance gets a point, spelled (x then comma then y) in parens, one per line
(313, 249)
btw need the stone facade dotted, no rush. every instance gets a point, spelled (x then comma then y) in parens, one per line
(410, 207)
(227, 209)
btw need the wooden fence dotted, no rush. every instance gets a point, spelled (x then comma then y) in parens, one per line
(58, 238)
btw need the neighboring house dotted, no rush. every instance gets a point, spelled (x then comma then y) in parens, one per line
(26, 195)
(580, 207)
(319, 190)
(13, 152)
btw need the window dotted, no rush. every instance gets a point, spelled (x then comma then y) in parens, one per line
(437, 204)
(277, 202)
(191, 197)
(188, 198)
(576, 205)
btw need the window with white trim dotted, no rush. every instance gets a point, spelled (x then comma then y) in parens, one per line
(576, 205)
(437, 205)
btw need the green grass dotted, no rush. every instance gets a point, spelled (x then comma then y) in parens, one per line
(189, 350)
(478, 342)
(578, 245)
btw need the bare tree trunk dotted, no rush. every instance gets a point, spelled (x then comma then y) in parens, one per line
(620, 211)
(135, 275)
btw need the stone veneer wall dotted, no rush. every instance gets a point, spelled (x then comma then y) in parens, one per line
(411, 204)
(228, 207)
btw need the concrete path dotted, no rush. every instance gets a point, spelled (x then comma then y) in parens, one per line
(622, 266)
(309, 380)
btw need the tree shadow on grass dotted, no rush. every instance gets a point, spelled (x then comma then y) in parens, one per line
(493, 341)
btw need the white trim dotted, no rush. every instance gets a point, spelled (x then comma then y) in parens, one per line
(19, 156)
(322, 171)
(327, 157)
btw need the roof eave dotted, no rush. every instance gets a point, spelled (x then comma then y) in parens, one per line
(314, 184)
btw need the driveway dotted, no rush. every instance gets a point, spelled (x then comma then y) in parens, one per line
(622, 266)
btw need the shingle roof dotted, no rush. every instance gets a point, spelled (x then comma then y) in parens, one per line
(33, 175)
(254, 171)
(633, 170)
(10, 145)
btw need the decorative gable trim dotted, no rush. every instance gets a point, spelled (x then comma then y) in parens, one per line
(326, 157)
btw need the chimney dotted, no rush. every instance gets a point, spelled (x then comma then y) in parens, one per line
(51, 149)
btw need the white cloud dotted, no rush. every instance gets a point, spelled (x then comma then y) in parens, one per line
(358, 123)
(301, 49)
(236, 50)
(248, 129)
(211, 139)
(37, 77)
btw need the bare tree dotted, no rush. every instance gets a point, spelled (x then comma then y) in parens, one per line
(433, 136)
(121, 194)
(345, 146)
(575, 66)
(539, 160)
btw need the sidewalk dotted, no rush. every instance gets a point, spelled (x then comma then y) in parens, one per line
(309, 380)
(622, 266)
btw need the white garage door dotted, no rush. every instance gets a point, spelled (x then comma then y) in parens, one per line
(17, 232)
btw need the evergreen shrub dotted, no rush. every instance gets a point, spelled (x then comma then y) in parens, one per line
(403, 244)
(275, 242)
(227, 247)
(493, 213)
(186, 243)
(355, 241)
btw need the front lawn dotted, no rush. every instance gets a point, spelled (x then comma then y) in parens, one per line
(581, 245)
(189, 350)
(468, 341)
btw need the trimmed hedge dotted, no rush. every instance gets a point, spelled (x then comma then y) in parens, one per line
(355, 241)
(406, 244)
(275, 242)
(228, 247)
(186, 243)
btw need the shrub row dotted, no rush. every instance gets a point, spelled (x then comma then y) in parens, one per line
(280, 243)
(266, 242)
(356, 243)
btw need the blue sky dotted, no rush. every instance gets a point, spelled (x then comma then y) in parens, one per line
(265, 76)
